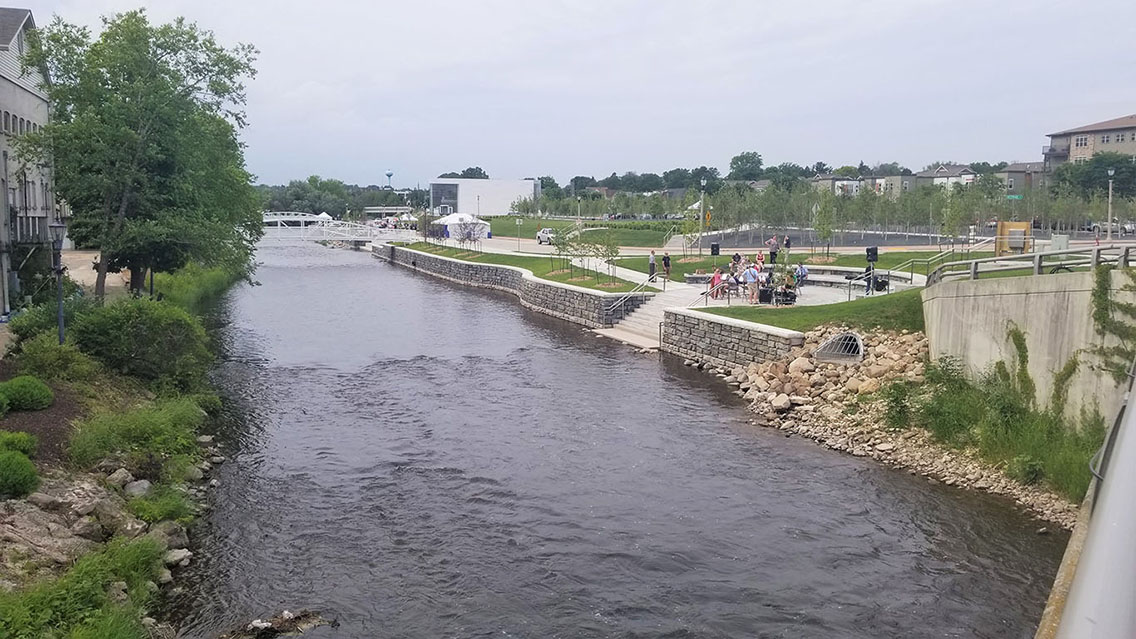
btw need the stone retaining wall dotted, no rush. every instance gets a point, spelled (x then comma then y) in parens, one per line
(573, 303)
(724, 341)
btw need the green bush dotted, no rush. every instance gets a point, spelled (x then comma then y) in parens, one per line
(76, 604)
(26, 392)
(163, 503)
(20, 442)
(41, 318)
(192, 286)
(44, 356)
(1025, 469)
(3, 406)
(208, 402)
(163, 431)
(155, 342)
(17, 474)
(897, 406)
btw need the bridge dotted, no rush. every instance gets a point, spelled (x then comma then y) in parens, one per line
(293, 225)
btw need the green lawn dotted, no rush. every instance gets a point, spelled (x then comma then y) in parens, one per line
(678, 268)
(894, 312)
(627, 232)
(546, 268)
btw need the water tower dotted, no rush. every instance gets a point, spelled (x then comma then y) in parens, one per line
(389, 173)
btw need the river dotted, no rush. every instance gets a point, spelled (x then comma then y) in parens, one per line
(418, 459)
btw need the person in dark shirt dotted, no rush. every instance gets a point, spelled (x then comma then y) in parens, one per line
(667, 265)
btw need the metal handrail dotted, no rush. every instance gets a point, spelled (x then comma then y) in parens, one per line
(705, 295)
(1095, 256)
(628, 295)
(669, 234)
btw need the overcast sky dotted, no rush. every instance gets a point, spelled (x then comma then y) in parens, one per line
(350, 88)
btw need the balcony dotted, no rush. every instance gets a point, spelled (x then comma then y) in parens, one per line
(1055, 151)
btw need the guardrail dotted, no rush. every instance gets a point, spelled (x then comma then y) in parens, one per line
(705, 295)
(1071, 258)
(651, 279)
(1099, 602)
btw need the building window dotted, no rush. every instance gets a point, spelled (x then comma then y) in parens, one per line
(1105, 139)
(1010, 183)
(1119, 137)
(1080, 159)
(23, 123)
(7, 119)
(1081, 141)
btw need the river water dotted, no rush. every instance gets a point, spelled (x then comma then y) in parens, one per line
(418, 459)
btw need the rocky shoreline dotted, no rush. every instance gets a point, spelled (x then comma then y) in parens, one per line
(834, 404)
(71, 514)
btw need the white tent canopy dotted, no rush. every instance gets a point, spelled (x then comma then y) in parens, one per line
(458, 224)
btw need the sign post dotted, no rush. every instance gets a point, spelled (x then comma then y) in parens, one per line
(519, 223)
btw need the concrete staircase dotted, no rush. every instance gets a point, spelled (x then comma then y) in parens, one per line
(641, 326)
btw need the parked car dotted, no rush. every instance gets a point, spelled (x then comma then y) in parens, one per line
(1102, 227)
(545, 236)
(1128, 228)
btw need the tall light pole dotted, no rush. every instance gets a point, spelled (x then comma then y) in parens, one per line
(1111, 172)
(579, 199)
(57, 268)
(701, 212)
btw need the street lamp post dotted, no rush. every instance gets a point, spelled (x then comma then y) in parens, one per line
(701, 212)
(1111, 172)
(579, 199)
(57, 268)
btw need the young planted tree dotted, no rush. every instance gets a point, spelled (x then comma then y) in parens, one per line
(143, 142)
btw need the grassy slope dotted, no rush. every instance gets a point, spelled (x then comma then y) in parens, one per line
(897, 311)
(541, 267)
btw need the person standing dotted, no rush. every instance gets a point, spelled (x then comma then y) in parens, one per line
(651, 266)
(788, 244)
(750, 276)
(774, 246)
(667, 265)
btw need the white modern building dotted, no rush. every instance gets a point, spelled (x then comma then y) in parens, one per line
(481, 198)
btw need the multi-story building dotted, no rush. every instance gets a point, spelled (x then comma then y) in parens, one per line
(29, 205)
(946, 176)
(890, 185)
(1081, 143)
(1023, 176)
(480, 197)
(837, 184)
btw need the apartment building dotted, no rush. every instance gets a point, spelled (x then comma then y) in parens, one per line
(1117, 135)
(1023, 176)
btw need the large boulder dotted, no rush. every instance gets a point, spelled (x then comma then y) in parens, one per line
(869, 386)
(801, 365)
(139, 488)
(780, 402)
(177, 557)
(120, 478)
(169, 534)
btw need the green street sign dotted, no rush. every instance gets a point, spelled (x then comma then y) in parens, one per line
(1013, 197)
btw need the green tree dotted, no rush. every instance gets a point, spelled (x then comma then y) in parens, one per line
(549, 187)
(678, 179)
(143, 142)
(824, 216)
(884, 169)
(983, 168)
(847, 171)
(745, 166)
(1090, 177)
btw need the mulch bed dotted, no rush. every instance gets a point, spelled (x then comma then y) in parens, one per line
(51, 426)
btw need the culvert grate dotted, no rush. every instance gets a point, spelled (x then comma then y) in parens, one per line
(845, 348)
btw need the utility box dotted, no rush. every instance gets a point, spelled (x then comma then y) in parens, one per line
(1013, 238)
(1059, 243)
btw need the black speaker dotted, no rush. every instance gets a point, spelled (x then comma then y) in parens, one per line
(873, 254)
(715, 249)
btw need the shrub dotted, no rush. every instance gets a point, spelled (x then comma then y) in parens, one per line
(165, 430)
(897, 406)
(3, 405)
(20, 442)
(155, 342)
(17, 474)
(41, 318)
(76, 604)
(26, 392)
(163, 503)
(192, 287)
(44, 356)
(1025, 469)
(207, 402)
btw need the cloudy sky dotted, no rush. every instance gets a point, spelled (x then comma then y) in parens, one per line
(350, 88)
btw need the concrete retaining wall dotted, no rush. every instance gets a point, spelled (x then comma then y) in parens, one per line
(970, 320)
(572, 303)
(724, 341)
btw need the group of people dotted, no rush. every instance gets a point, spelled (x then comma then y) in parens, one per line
(652, 268)
(754, 277)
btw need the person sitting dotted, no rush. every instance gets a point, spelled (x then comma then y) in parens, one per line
(737, 259)
(759, 258)
(802, 273)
